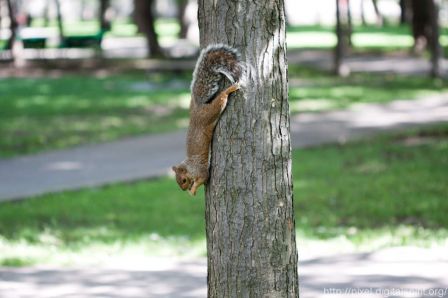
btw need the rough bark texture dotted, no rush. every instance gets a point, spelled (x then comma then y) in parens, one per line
(249, 201)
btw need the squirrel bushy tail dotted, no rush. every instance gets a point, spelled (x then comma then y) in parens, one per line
(216, 63)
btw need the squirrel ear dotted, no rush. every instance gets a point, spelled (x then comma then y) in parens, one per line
(174, 168)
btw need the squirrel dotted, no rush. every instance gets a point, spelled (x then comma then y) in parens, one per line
(217, 64)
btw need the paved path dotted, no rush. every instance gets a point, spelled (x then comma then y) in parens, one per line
(152, 156)
(407, 271)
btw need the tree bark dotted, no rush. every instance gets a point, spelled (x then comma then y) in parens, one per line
(144, 17)
(249, 200)
(12, 26)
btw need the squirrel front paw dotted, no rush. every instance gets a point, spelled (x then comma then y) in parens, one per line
(233, 88)
(197, 183)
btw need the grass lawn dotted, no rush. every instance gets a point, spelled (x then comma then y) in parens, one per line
(364, 38)
(389, 190)
(312, 90)
(48, 113)
(37, 114)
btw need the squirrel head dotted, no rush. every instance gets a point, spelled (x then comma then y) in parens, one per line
(182, 178)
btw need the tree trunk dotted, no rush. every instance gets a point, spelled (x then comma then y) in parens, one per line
(249, 201)
(104, 22)
(405, 12)
(46, 15)
(363, 15)
(182, 7)
(145, 20)
(349, 25)
(59, 20)
(434, 43)
(379, 17)
(12, 26)
(421, 24)
(343, 37)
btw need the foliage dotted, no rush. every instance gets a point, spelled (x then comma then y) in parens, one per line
(389, 189)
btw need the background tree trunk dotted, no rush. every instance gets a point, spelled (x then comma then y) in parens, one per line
(249, 201)
(104, 22)
(343, 37)
(434, 43)
(59, 20)
(182, 7)
(421, 24)
(405, 12)
(379, 17)
(12, 26)
(46, 15)
(363, 15)
(145, 20)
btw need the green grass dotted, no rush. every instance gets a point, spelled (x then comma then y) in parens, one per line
(311, 90)
(38, 114)
(47, 113)
(364, 38)
(389, 190)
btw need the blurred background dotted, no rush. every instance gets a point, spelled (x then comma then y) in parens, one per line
(94, 101)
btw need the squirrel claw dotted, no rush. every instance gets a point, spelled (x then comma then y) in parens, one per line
(233, 88)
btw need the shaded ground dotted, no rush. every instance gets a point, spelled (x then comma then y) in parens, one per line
(394, 272)
(398, 63)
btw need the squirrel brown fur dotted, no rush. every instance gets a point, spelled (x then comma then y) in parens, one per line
(216, 65)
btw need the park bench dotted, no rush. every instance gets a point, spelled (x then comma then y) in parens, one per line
(82, 41)
(34, 42)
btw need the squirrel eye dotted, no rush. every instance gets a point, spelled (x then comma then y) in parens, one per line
(185, 180)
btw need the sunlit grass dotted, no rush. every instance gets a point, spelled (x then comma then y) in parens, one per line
(364, 37)
(37, 114)
(311, 90)
(375, 193)
(48, 113)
